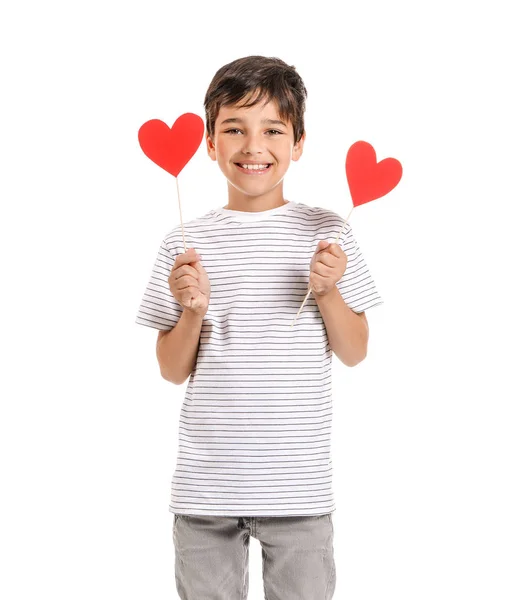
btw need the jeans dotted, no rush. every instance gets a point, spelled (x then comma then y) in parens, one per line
(212, 552)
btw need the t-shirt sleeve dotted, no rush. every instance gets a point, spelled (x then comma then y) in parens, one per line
(159, 309)
(356, 286)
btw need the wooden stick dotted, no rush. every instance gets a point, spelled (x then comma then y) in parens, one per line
(180, 214)
(309, 289)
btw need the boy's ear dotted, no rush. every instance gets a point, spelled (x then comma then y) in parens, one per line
(298, 148)
(210, 147)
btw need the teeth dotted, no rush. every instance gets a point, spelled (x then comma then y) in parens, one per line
(254, 167)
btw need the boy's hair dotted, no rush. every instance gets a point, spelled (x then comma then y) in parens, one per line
(263, 77)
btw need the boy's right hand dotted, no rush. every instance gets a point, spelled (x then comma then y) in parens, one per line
(189, 283)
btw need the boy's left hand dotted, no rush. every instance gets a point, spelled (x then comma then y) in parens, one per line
(328, 265)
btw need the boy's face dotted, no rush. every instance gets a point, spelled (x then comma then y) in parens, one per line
(253, 135)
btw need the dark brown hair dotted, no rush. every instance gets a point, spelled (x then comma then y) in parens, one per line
(262, 77)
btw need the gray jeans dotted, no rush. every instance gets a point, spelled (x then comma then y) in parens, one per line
(211, 556)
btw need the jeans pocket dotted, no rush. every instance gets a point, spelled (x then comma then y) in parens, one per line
(330, 516)
(174, 526)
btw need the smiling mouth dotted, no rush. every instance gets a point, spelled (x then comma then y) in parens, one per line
(253, 168)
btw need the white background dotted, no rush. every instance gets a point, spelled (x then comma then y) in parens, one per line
(426, 448)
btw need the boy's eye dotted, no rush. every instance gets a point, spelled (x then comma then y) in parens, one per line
(269, 131)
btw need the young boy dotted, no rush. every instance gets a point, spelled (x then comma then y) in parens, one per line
(255, 425)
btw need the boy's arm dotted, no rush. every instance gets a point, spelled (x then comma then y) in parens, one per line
(177, 348)
(347, 331)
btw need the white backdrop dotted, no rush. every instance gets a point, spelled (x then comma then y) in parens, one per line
(426, 446)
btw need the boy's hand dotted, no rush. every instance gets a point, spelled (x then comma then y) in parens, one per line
(328, 265)
(189, 283)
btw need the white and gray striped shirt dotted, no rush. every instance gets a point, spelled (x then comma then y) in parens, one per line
(255, 424)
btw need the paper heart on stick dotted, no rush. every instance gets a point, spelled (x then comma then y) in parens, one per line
(172, 148)
(367, 179)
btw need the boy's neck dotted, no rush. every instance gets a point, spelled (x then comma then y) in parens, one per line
(244, 203)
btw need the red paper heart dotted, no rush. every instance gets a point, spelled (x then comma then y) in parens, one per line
(367, 179)
(172, 148)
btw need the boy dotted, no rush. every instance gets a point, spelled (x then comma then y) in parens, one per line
(255, 425)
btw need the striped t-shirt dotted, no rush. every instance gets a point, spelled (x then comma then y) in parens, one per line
(255, 424)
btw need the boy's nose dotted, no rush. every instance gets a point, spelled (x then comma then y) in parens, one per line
(252, 145)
